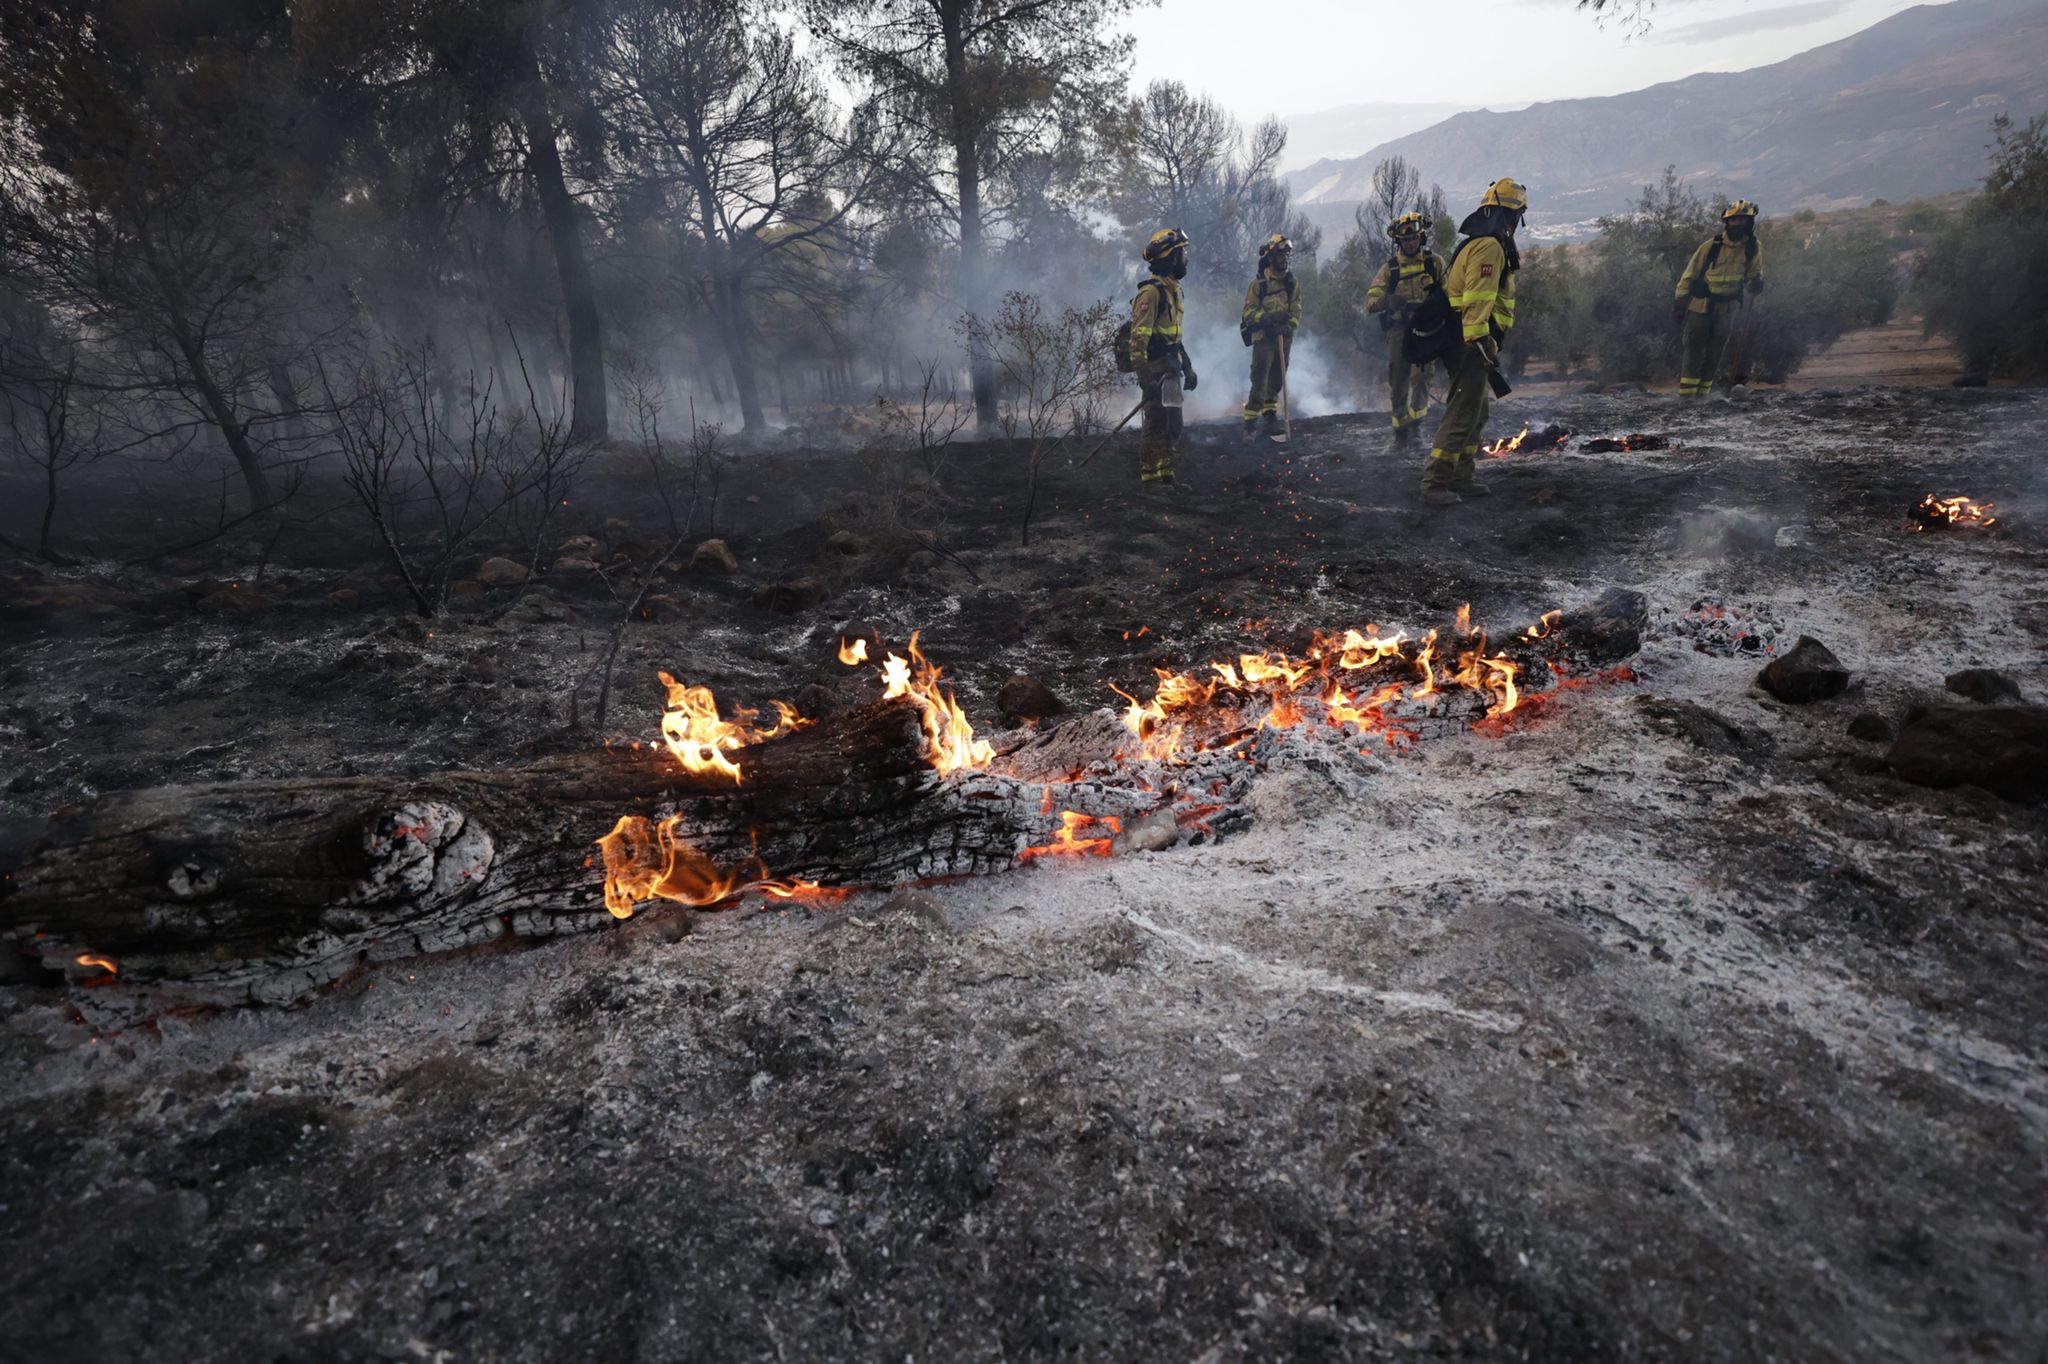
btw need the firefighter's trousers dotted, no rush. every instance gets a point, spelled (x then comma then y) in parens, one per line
(1269, 365)
(1707, 348)
(1453, 454)
(1407, 387)
(1157, 437)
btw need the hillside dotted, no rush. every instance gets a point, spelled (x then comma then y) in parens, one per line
(1899, 110)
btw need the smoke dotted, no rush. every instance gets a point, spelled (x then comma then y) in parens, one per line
(1224, 363)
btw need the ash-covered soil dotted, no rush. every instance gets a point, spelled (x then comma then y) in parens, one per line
(1672, 1024)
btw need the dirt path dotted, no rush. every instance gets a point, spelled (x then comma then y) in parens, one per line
(1898, 355)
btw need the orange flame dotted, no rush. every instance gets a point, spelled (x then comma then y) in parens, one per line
(1508, 447)
(1422, 665)
(644, 861)
(1355, 650)
(854, 653)
(103, 963)
(1065, 842)
(700, 740)
(1167, 726)
(1949, 511)
(952, 738)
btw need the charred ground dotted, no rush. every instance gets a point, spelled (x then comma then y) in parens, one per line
(1674, 1024)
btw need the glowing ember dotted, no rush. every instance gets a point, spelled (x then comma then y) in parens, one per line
(700, 740)
(1727, 630)
(1222, 706)
(644, 861)
(1294, 689)
(102, 963)
(1605, 445)
(952, 739)
(1066, 843)
(1935, 511)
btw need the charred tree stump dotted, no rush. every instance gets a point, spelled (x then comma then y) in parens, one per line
(264, 890)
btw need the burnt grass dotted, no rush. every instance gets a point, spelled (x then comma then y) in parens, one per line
(1671, 1025)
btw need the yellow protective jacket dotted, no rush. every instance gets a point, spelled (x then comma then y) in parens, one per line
(1409, 288)
(1271, 300)
(1156, 318)
(1734, 265)
(1482, 288)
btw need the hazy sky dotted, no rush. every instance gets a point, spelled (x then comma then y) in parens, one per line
(1323, 53)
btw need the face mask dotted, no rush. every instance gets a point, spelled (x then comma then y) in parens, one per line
(1179, 267)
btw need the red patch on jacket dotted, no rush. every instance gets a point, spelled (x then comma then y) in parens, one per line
(1485, 271)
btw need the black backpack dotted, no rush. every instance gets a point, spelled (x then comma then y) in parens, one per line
(1435, 330)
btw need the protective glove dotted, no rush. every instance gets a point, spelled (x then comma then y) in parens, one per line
(1375, 305)
(1756, 286)
(1187, 374)
(1490, 349)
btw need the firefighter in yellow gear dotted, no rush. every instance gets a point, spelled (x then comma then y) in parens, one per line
(1272, 312)
(1709, 300)
(1481, 288)
(1157, 357)
(1396, 291)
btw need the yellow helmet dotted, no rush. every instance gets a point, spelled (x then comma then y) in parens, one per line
(1741, 208)
(1164, 243)
(1406, 223)
(1506, 193)
(1276, 242)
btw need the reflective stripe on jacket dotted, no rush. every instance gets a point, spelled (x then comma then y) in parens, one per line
(1270, 301)
(1481, 287)
(1733, 267)
(1156, 315)
(1414, 281)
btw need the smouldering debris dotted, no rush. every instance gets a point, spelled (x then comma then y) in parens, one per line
(1727, 630)
(1939, 513)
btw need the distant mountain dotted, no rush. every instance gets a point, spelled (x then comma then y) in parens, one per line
(1350, 129)
(1900, 109)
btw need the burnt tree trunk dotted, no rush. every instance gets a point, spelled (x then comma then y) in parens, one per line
(261, 891)
(964, 104)
(588, 420)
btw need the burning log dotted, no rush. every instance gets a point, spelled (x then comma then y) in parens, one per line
(264, 890)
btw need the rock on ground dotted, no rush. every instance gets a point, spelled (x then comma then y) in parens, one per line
(1985, 685)
(1805, 673)
(2003, 749)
